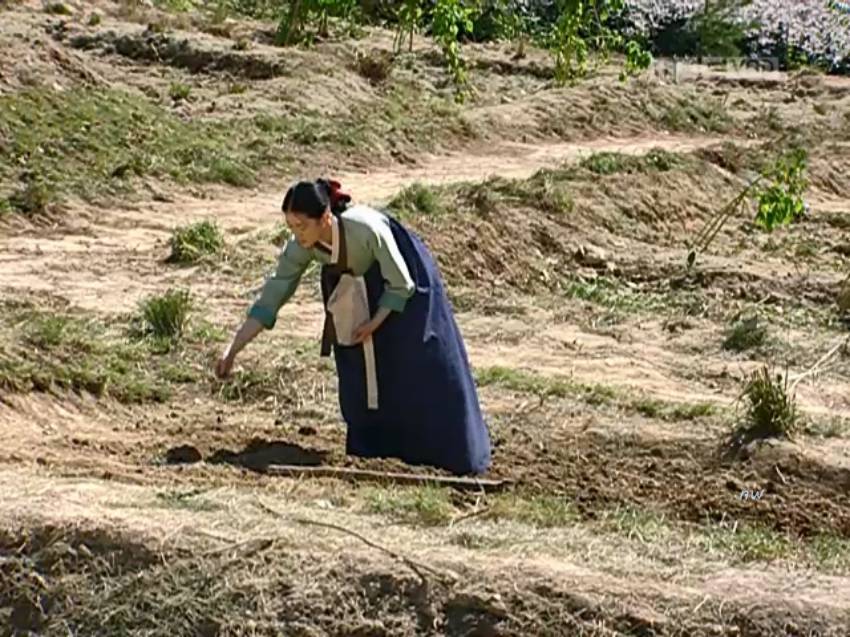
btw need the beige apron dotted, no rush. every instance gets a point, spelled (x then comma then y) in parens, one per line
(347, 309)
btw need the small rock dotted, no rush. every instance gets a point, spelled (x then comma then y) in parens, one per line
(592, 256)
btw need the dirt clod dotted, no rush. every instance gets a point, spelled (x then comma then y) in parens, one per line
(184, 454)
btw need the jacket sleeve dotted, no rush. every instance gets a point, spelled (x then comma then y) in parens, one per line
(399, 284)
(281, 285)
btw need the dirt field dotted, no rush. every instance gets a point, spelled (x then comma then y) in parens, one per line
(133, 497)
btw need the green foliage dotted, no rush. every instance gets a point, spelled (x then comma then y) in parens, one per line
(179, 91)
(34, 198)
(56, 350)
(450, 16)
(427, 506)
(416, 199)
(58, 8)
(257, 9)
(638, 59)
(179, 6)
(781, 201)
(609, 163)
(718, 31)
(293, 24)
(90, 141)
(746, 334)
(165, 317)
(409, 17)
(192, 243)
(771, 411)
(539, 510)
(96, 142)
(582, 28)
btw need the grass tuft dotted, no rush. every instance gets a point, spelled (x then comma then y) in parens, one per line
(426, 506)
(179, 91)
(540, 510)
(745, 334)
(609, 163)
(771, 412)
(165, 316)
(190, 244)
(34, 198)
(416, 199)
(543, 386)
(749, 543)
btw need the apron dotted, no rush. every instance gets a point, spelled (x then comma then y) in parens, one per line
(347, 309)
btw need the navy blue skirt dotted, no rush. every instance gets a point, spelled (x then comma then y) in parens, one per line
(429, 412)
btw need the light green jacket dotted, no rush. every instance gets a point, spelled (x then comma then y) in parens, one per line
(368, 238)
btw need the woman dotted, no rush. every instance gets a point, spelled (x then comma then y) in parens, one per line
(405, 386)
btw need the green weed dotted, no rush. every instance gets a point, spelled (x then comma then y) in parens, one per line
(58, 8)
(92, 142)
(544, 511)
(830, 552)
(248, 385)
(748, 543)
(771, 411)
(427, 506)
(646, 526)
(34, 198)
(186, 501)
(179, 91)
(672, 412)
(56, 351)
(417, 199)
(690, 114)
(165, 316)
(190, 244)
(746, 334)
(609, 163)
(543, 386)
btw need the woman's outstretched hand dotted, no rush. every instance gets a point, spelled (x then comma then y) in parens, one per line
(244, 335)
(224, 365)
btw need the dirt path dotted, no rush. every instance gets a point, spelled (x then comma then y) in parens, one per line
(112, 258)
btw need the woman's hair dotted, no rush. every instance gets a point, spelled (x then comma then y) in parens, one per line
(311, 198)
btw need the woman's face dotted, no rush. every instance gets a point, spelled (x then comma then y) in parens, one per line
(307, 231)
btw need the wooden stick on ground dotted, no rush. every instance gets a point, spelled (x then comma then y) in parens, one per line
(478, 484)
(416, 567)
(814, 369)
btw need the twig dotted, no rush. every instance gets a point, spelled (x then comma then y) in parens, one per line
(262, 542)
(416, 567)
(467, 516)
(779, 473)
(816, 367)
(700, 605)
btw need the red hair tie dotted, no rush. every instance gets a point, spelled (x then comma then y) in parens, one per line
(335, 194)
